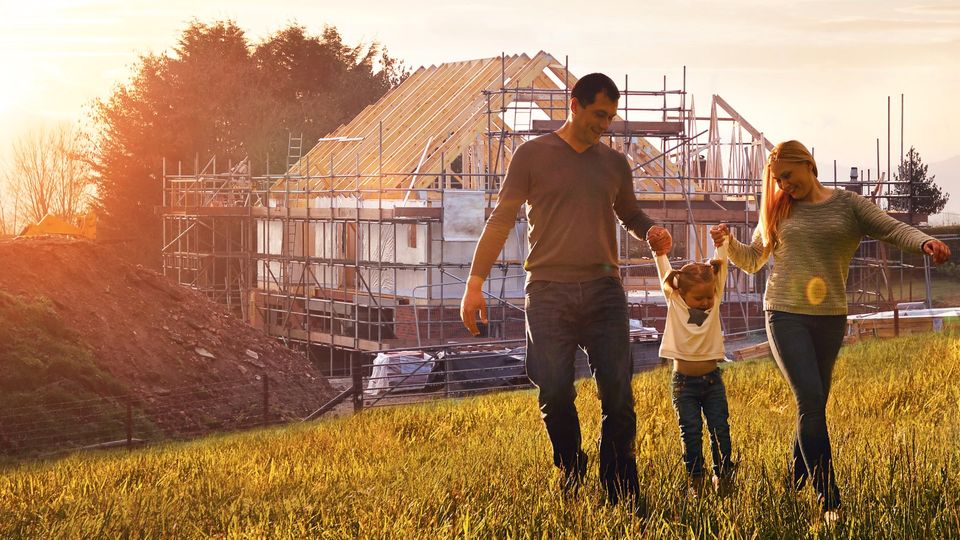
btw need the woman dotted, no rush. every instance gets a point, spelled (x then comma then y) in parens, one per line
(812, 232)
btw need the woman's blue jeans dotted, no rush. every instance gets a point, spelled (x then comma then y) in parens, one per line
(805, 348)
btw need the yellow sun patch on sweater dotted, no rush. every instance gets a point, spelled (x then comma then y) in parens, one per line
(816, 290)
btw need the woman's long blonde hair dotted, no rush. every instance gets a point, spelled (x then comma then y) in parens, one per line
(775, 204)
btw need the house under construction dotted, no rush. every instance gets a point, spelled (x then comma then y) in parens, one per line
(364, 242)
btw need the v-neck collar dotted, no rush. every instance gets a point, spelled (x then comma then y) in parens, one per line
(571, 148)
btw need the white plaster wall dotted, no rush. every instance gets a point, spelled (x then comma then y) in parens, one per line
(270, 236)
(327, 240)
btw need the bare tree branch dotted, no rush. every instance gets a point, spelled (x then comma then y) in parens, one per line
(51, 174)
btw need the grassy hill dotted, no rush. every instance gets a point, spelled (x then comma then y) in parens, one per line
(479, 467)
(50, 382)
(84, 336)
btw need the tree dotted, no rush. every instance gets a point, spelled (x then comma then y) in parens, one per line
(218, 96)
(920, 194)
(174, 108)
(7, 226)
(50, 173)
(312, 85)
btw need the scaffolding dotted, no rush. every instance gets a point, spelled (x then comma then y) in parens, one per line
(364, 243)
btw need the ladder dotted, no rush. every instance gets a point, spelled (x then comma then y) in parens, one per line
(294, 149)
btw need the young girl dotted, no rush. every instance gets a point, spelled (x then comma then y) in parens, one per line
(693, 340)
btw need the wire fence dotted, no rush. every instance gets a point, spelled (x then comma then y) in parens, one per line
(44, 427)
(382, 378)
(409, 376)
(48, 428)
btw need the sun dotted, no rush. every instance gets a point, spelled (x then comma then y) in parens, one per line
(30, 30)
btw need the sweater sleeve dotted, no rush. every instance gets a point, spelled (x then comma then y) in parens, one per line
(663, 268)
(880, 225)
(626, 206)
(721, 254)
(748, 257)
(513, 193)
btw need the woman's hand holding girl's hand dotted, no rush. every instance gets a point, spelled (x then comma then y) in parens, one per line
(719, 233)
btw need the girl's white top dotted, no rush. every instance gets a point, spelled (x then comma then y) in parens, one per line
(686, 340)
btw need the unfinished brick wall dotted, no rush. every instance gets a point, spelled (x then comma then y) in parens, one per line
(506, 323)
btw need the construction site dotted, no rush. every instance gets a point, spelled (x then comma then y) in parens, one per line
(361, 242)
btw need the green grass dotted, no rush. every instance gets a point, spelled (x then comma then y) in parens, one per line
(480, 467)
(38, 348)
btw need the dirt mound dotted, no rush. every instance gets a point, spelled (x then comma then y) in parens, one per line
(171, 349)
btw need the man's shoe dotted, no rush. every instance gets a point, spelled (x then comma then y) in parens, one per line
(639, 506)
(572, 478)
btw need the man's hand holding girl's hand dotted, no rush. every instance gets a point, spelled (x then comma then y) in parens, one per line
(659, 240)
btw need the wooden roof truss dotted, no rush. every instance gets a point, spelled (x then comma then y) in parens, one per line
(455, 118)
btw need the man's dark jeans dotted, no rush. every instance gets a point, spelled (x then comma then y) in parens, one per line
(691, 395)
(591, 314)
(805, 347)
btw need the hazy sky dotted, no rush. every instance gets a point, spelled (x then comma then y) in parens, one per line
(818, 71)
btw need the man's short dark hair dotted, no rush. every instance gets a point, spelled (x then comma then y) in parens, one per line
(588, 86)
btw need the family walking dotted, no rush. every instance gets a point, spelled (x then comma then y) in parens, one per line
(575, 191)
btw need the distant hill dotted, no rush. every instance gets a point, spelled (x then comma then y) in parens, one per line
(947, 174)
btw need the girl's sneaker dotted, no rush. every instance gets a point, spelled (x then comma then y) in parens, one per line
(695, 486)
(723, 485)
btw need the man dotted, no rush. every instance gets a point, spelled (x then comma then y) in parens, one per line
(574, 189)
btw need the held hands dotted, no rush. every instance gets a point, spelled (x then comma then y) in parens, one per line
(937, 250)
(472, 302)
(659, 240)
(719, 233)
